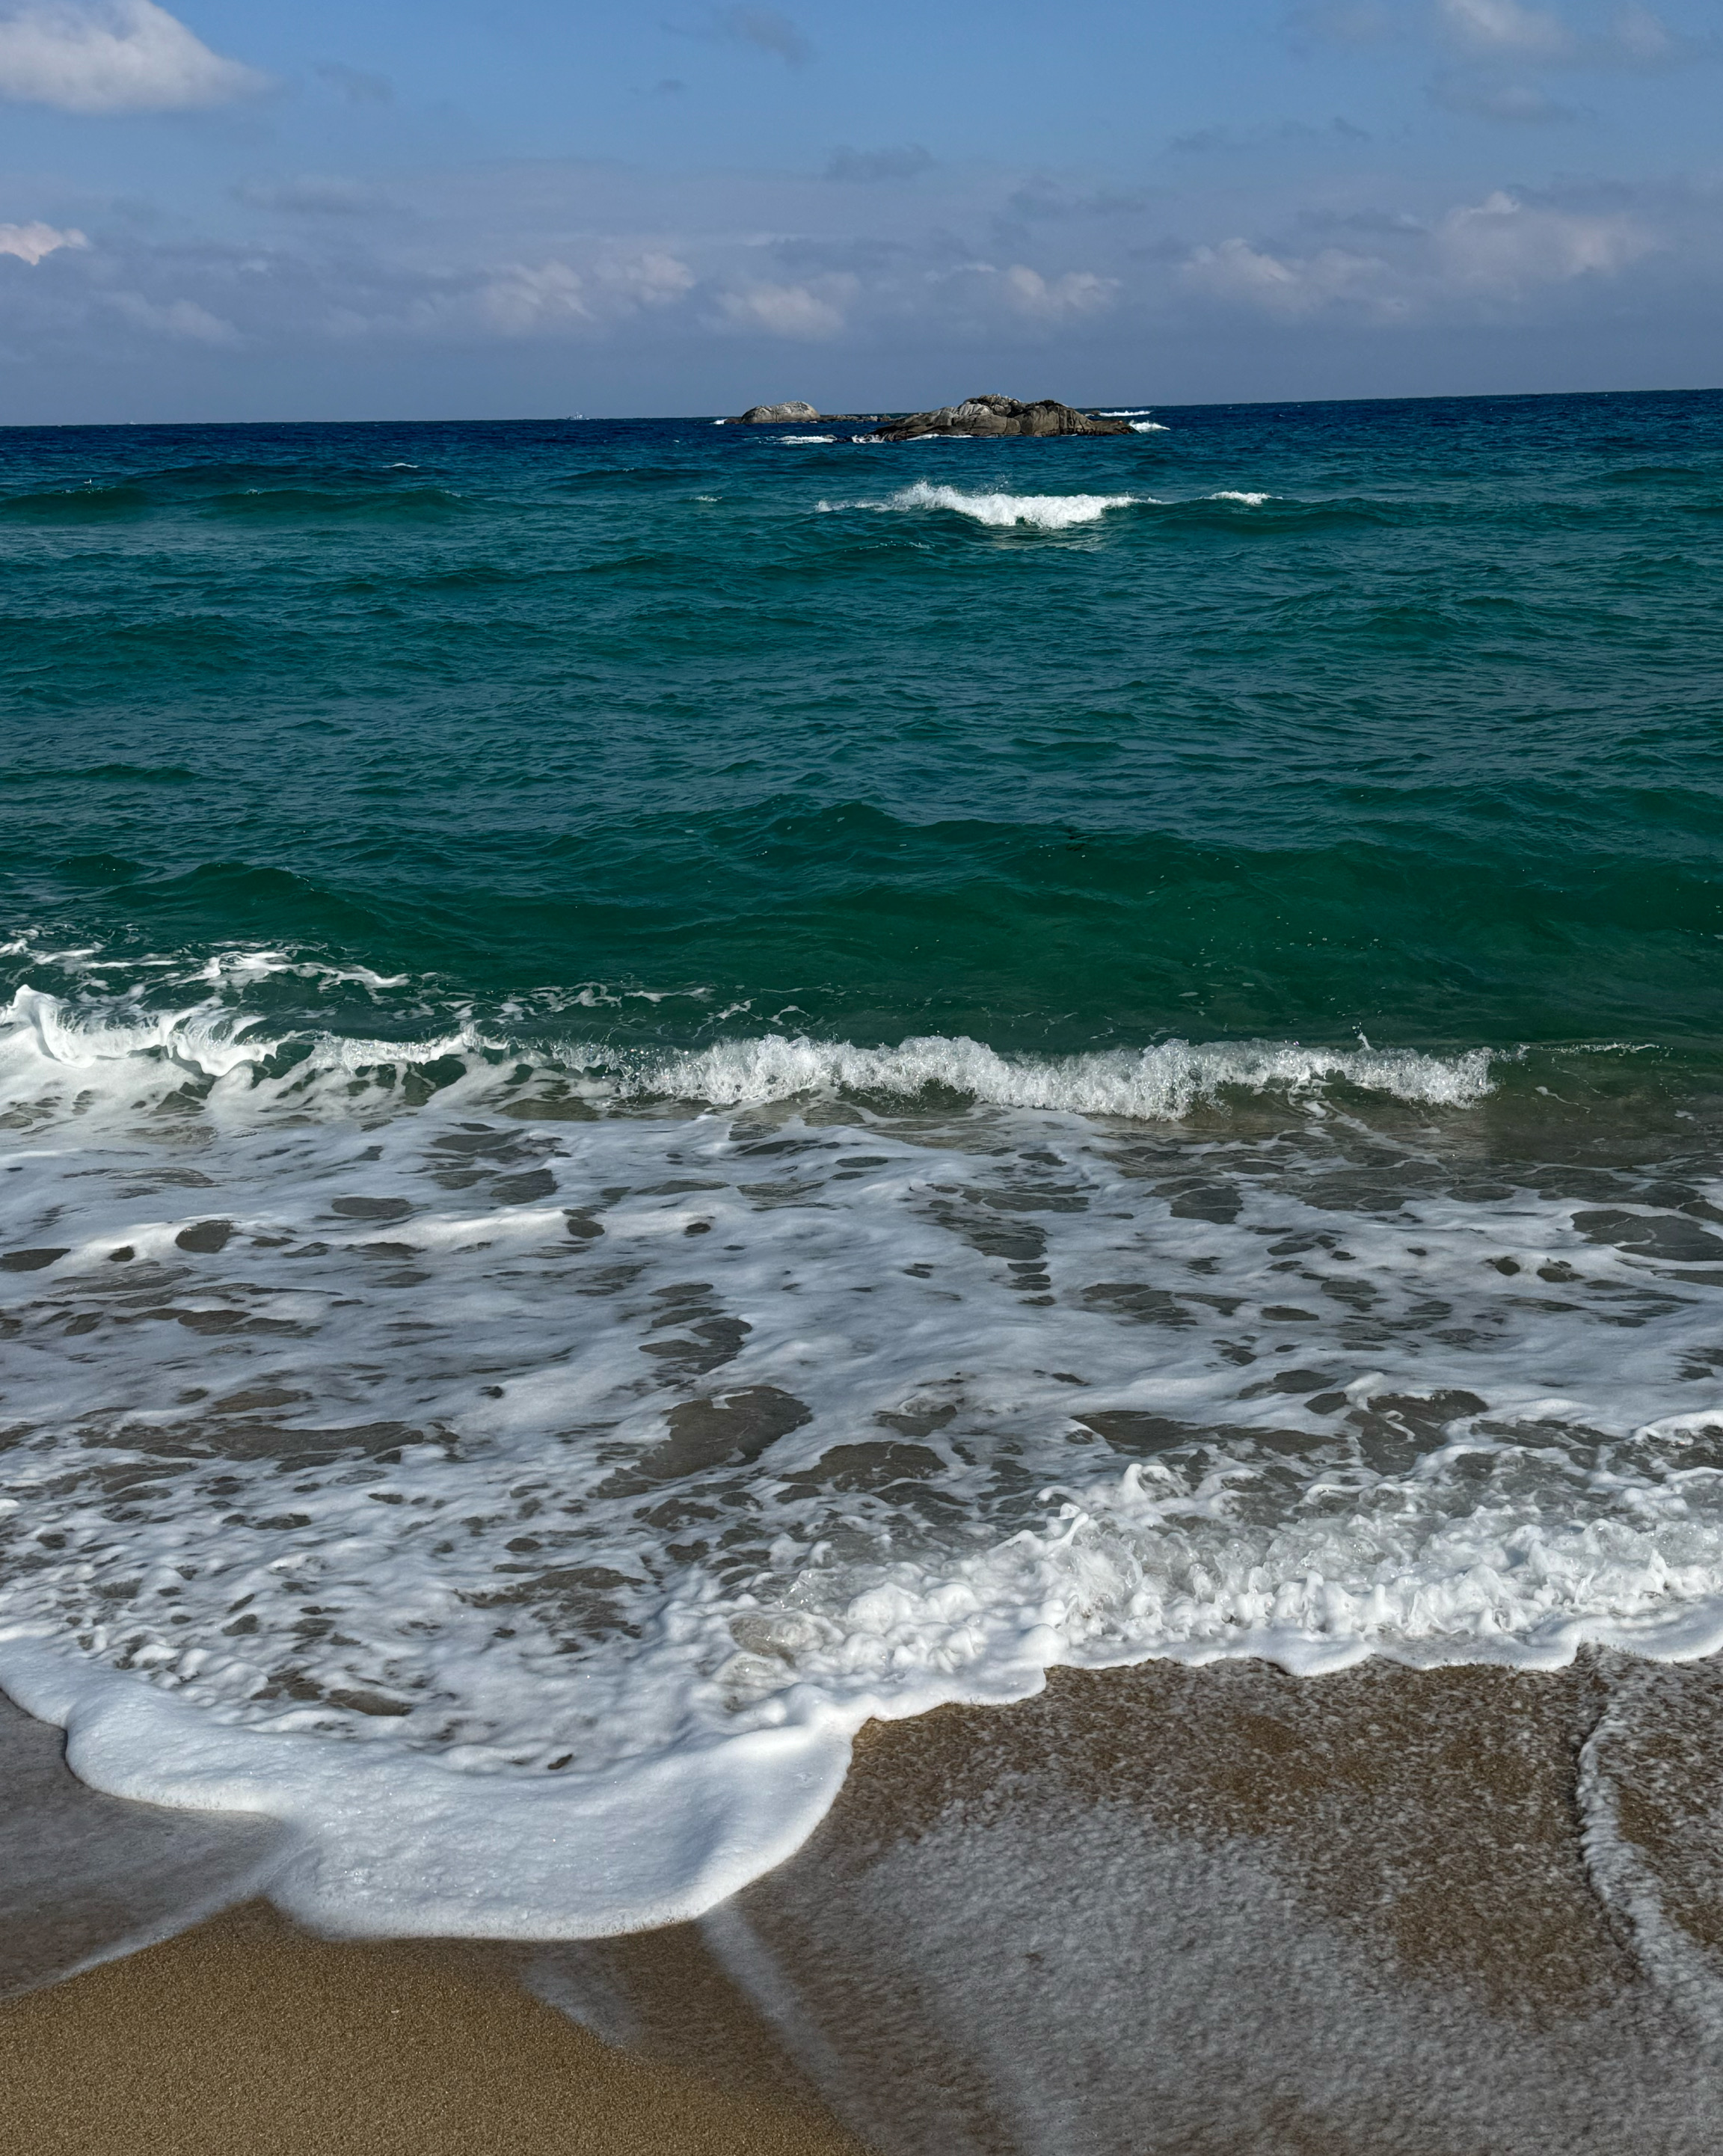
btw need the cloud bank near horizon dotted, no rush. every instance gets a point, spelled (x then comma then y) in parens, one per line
(1264, 258)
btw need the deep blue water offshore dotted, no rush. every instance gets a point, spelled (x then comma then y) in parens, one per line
(877, 1064)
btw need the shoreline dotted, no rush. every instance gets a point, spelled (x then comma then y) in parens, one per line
(1157, 1909)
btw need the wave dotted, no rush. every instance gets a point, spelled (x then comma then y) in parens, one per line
(1030, 1395)
(77, 505)
(1148, 427)
(1044, 512)
(1159, 1083)
(400, 502)
(1250, 500)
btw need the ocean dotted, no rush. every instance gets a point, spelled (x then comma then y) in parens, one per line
(667, 1087)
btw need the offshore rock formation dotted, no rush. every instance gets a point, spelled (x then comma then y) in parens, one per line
(795, 412)
(1002, 415)
(983, 416)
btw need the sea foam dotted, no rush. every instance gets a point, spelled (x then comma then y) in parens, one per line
(1043, 512)
(353, 1383)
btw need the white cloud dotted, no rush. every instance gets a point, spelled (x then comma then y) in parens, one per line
(1077, 292)
(1504, 245)
(30, 242)
(1501, 248)
(784, 310)
(1280, 284)
(652, 279)
(175, 318)
(501, 273)
(518, 300)
(1643, 38)
(1504, 26)
(112, 56)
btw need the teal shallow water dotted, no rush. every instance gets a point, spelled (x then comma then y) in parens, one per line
(664, 1086)
(1425, 741)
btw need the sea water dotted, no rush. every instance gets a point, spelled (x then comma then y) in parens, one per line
(664, 1087)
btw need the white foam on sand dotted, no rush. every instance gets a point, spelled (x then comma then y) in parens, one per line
(524, 1473)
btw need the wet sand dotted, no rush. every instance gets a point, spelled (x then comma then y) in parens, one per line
(1154, 1912)
(246, 2037)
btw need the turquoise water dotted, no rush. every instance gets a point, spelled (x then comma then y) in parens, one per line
(1425, 742)
(668, 1085)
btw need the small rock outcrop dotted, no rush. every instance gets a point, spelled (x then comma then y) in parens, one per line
(983, 416)
(988, 416)
(795, 413)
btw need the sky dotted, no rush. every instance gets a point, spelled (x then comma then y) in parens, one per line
(532, 208)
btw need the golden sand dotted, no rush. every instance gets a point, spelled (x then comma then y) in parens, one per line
(246, 2037)
(1152, 1911)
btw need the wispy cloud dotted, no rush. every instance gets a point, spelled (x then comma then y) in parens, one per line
(787, 310)
(102, 56)
(1042, 200)
(1505, 248)
(182, 318)
(355, 83)
(1506, 244)
(1504, 26)
(314, 194)
(1459, 90)
(765, 28)
(1287, 285)
(35, 243)
(600, 273)
(1505, 33)
(1294, 134)
(906, 162)
(1057, 299)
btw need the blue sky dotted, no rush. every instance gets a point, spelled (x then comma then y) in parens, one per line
(444, 210)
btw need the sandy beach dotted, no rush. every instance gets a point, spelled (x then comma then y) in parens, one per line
(1205, 1912)
(245, 2034)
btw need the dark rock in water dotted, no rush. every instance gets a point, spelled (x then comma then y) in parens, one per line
(985, 417)
(773, 415)
(989, 416)
(797, 413)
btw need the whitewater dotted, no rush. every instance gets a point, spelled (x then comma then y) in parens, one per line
(526, 1483)
(659, 1092)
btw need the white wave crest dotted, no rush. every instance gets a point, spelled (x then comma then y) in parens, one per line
(211, 1038)
(796, 441)
(1149, 427)
(1250, 500)
(1156, 1084)
(1151, 1085)
(1047, 512)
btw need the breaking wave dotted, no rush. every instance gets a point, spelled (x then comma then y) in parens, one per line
(1158, 1083)
(1043, 513)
